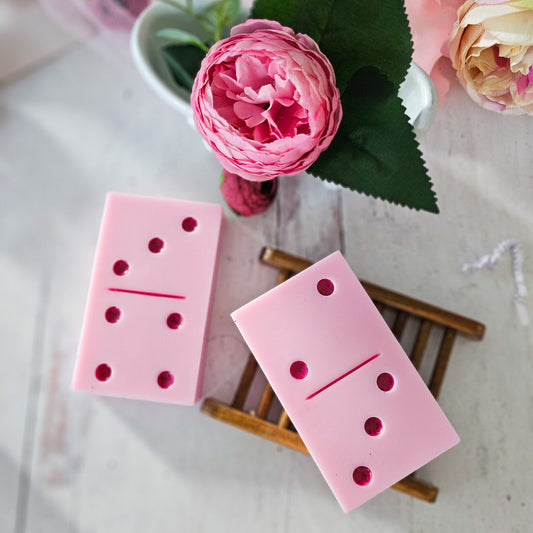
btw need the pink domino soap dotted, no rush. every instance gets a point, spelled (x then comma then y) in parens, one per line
(149, 299)
(358, 403)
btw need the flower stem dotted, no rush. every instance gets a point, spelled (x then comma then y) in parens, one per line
(188, 10)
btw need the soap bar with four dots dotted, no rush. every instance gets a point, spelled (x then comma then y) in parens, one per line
(149, 300)
(359, 405)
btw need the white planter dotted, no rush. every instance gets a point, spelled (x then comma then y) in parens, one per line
(145, 46)
(417, 91)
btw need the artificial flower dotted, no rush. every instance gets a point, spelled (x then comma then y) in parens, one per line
(491, 48)
(265, 100)
(431, 22)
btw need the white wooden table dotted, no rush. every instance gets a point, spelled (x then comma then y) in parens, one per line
(77, 127)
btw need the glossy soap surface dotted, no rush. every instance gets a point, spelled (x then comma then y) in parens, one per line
(360, 406)
(149, 299)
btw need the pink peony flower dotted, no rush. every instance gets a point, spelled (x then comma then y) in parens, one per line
(265, 100)
(492, 50)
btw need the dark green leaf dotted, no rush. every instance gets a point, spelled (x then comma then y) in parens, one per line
(184, 63)
(352, 33)
(375, 151)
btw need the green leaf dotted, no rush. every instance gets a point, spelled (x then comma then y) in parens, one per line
(351, 33)
(375, 150)
(220, 14)
(183, 62)
(182, 37)
(228, 11)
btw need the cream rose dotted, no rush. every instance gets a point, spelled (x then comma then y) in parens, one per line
(491, 47)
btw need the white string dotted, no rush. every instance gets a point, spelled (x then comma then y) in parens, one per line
(517, 261)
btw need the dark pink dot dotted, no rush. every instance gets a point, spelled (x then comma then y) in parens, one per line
(174, 320)
(325, 287)
(299, 370)
(102, 372)
(373, 426)
(156, 245)
(362, 475)
(112, 314)
(120, 267)
(189, 224)
(385, 382)
(165, 379)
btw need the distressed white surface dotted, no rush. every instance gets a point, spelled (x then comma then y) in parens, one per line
(79, 463)
(27, 38)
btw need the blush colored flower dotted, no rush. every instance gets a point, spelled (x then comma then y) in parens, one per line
(492, 51)
(265, 100)
(431, 22)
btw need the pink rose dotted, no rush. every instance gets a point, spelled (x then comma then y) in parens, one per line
(265, 100)
(492, 50)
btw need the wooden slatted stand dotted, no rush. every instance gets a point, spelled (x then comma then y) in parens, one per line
(426, 316)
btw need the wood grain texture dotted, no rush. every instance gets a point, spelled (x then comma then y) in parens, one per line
(424, 310)
(265, 401)
(253, 424)
(284, 420)
(421, 342)
(443, 357)
(244, 384)
(399, 324)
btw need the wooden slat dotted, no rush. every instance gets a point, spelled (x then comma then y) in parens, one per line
(380, 307)
(416, 307)
(283, 260)
(253, 424)
(291, 439)
(279, 259)
(399, 324)
(245, 383)
(266, 401)
(284, 420)
(421, 342)
(284, 275)
(257, 423)
(417, 488)
(442, 361)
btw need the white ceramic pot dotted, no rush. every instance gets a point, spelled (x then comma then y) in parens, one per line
(145, 46)
(417, 91)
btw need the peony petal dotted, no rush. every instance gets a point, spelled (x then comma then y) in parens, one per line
(249, 72)
(430, 26)
(253, 25)
(514, 28)
(522, 84)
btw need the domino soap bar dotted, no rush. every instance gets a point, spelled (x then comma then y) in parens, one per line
(151, 289)
(358, 403)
